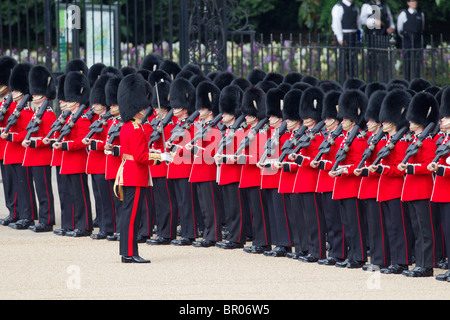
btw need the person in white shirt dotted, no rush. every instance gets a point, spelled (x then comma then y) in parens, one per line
(377, 17)
(346, 25)
(410, 25)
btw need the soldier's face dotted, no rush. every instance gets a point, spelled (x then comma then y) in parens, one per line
(17, 95)
(416, 128)
(372, 126)
(274, 120)
(331, 124)
(227, 117)
(114, 110)
(389, 127)
(99, 109)
(347, 124)
(445, 124)
(204, 113)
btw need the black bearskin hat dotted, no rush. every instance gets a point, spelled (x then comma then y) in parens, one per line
(311, 104)
(394, 107)
(230, 100)
(94, 72)
(111, 89)
(255, 76)
(353, 105)
(313, 81)
(374, 105)
(98, 92)
(19, 79)
(444, 109)
(419, 84)
(77, 65)
(224, 79)
(329, 85)
(6, 65)
(42, 82)
(353, 83)
(330, 105)
(172, 68)
(291, 105)
(151, 62)
(163, 88)
(274, 102)
(423, 109)
(242, 83)
(182, 95)
(77, 88)
(158, 76)
(129, 70)
(275, 77)
(60, 88)
(254, 102)
(133, 96)
(293, 77)
(372, 87)
(207, 95)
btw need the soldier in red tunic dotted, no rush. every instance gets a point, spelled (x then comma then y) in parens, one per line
(203, 171)
(228, 174)
(37, 154)
(377, 235)
(352, 107)
(6, 65)
(335, 231)
(440, 194)
(15, 152)
(422, 111)
(96, 162)
(74, 154)
(133, 176)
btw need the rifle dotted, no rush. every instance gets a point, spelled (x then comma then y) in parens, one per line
(201, 133)
(442, 151)
(229, 138)
(12, 120)
(288, 145)
(342, 152)
(98, 125)
(114, 132)
(148, 112)
(373, 141)
(249, 138)
(325, 146)
(386, 150)
(305, 140)
(159, 125)
(68, 126)
(272, 142)
(180, 129)
(413, 149)
(57, 125)
(90, 113)
(33, 125)
(5, 106)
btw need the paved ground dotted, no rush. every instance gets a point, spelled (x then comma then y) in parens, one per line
(45, 266)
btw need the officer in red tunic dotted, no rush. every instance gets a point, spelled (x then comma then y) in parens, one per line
(37, 154)
(377, 235)
(398, 224)
(306, 178)
(293, 201)
(6, 65)
(335, 231)
(352, 107)
(228, 174)
(96, 162)
(270, 178)
(440, 194)
(74, 154)
(182, 101)
(133, 176)
(203, 171)
(15, 152)
(422, 111)
(254, 109)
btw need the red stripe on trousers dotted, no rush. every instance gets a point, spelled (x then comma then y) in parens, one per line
(132, 219)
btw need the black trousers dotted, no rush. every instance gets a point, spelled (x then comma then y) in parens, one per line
(444, 209)
(133, 200)
(147, 214)
(236, 211)
(8, 190)
(97, 200)
(422, 221)
(335, 228)
(211, 204)
(104, 203)
(42, 176)
(117, 207)
(348, 57)
(378, 238)
(399, 231)
(316, 225)
(353, 222)
(166, 207)
(299, 230)
(79, 192)
(65, 201)
(260, 217)
(23, 184)
(186, 202)
(279, 223)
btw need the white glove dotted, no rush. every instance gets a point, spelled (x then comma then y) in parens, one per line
(166, 156)
(448, 161)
